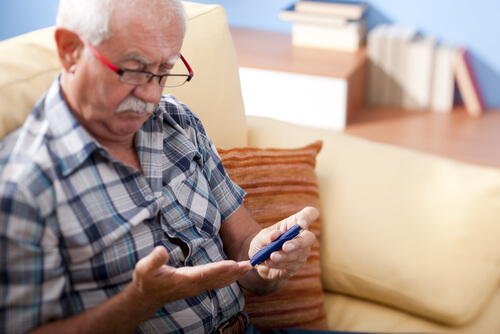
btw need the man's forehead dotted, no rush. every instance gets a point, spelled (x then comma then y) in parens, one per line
(143, 60)
(147, 43)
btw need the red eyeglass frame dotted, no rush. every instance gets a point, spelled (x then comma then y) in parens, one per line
(119, 71)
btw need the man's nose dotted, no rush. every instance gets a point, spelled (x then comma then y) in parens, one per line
(151, 91)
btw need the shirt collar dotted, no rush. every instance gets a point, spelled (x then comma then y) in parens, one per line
(73, 145)
(69, 141)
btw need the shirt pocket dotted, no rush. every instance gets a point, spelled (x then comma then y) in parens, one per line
(190, 211)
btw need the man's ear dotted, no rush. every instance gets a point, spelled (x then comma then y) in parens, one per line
(69, 47)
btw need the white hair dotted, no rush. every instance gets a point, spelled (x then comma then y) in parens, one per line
(90, 18)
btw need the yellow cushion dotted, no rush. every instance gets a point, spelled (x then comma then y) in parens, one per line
(214, 94)
(414, 231)
(352, 314)
(29, 63)
(374, 199)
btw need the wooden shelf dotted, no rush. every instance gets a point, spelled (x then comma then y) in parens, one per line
(454, 135)
(274, 51)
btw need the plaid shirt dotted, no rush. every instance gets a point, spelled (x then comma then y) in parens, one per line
(74, 221)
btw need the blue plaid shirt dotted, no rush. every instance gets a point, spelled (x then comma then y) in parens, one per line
(74, 221)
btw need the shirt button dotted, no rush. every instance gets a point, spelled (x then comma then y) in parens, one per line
(149, 198)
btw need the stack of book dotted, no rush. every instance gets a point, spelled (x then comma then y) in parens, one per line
(334, 24)
(413, 71)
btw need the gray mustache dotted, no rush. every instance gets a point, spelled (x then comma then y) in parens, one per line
(132, 103)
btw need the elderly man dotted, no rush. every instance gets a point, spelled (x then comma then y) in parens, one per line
(116, 214)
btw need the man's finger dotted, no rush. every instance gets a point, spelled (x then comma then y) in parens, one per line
(307, 216)
(215, 275)
(157, 258)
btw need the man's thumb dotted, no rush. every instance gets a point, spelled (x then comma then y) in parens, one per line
(158, 257)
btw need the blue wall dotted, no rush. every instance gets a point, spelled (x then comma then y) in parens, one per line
(473, 24)
(21, 16)
(470, 23)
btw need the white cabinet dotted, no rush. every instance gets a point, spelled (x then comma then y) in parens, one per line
(313, 87)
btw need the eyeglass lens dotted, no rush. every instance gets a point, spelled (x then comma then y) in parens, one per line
(139, 78)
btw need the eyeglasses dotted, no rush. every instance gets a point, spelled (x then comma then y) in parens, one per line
(137, 77)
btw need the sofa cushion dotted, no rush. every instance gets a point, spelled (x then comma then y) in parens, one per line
(214, 94)
(344, 313)
(411, 230)
(29, 63)
(279, 183)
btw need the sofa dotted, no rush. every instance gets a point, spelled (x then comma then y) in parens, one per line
(408, 242)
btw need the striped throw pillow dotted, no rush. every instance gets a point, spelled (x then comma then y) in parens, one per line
(279, 183)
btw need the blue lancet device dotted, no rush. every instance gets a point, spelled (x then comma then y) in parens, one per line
(274, 246)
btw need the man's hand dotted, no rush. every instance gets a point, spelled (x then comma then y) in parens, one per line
(156, 284)
(285, 263)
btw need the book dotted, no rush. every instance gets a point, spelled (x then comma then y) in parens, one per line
(291, 15)
(443, 82)
(395, 63)
(390, 91)
(352, 10)
(375, 74)
(341, 38)
(467, 84)
(420, 66)
(325, 31)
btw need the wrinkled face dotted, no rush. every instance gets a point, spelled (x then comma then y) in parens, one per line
(140, 40)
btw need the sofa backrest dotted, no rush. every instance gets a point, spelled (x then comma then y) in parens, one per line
(29, 63)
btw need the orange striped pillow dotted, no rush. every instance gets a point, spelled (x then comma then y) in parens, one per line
(279, 183)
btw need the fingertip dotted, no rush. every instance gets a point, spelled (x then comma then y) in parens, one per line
(160, 255)
(308, 216)
(275, 257)
(245, 265)
(289, 247)
(304, 224)
(161, 250)
(275, 234)
(314, 212)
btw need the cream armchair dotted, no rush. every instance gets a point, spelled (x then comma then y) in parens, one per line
(409, 242)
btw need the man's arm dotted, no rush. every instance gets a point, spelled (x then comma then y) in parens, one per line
(242, 237)
(154, 285)
(119, 314)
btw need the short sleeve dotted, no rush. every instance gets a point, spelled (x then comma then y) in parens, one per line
(32, 277)
(229, 195)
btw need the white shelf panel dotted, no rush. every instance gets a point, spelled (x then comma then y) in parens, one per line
(296, 98)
